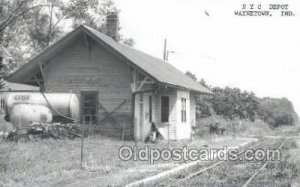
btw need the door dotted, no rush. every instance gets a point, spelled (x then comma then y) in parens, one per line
(89, 103)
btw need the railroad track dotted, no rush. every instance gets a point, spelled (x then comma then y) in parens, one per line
(194, 174)
(223, 173)
(231, 173)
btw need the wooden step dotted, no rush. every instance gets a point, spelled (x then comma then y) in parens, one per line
(163, 130)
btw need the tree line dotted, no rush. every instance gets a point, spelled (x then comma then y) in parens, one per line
(232, 103)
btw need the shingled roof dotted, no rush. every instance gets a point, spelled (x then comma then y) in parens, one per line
(157, 69)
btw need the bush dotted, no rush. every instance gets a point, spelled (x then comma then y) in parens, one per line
(277, 112)
(232, 127)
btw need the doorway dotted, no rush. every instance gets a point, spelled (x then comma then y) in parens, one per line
(89, 107)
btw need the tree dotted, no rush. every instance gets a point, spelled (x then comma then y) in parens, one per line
(7, 65)
(232, 103)
(129, 41)
(29, 26)
(191, 75)
(203, 83)
(203, 103)
(277, 112)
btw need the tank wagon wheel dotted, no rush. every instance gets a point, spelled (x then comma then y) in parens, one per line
(23, 137)
(12, 136)
(71, 136)
(16, 136)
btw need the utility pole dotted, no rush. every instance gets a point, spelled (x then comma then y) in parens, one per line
(166, 51)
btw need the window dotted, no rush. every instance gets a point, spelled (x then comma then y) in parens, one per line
(150, 109)
(141, 97)
(183, 110)
(2, 105)
(132, 75)
(164, 109)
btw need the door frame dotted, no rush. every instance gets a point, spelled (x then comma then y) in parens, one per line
(82, 93)
(141, 115)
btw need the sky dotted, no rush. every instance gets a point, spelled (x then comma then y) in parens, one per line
(259, 54)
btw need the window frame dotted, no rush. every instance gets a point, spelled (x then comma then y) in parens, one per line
(150, 108)
(165, 109)
(183, 110)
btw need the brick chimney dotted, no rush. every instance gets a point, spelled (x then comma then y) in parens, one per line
(112, 25)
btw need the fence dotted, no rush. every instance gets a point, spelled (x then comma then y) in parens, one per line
(91, 126)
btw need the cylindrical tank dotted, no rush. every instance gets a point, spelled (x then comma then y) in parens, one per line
(24, 114)
(61, 103)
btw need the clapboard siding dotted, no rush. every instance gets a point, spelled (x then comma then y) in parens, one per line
(77, 69)
(183, 129)
(193, 109)
(143, 125)
(173, 108)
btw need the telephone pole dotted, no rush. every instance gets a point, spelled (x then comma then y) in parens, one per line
(166, 51)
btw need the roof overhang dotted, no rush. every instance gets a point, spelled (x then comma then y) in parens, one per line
(191, 90)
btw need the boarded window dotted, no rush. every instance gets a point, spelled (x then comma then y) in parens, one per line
(150, 109)
(165, 109)
(183, 110)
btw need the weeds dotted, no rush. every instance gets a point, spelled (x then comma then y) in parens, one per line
(57, 162)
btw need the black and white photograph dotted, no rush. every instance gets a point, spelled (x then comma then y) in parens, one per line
(149, 93)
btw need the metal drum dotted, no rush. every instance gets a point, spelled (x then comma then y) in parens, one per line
(24, 114)
(59, 104)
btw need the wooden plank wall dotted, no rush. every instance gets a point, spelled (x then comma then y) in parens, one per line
(77, 69)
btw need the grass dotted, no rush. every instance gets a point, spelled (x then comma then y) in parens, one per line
(4, 126)
(50, 162)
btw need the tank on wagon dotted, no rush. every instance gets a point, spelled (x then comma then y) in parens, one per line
(23, 109)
